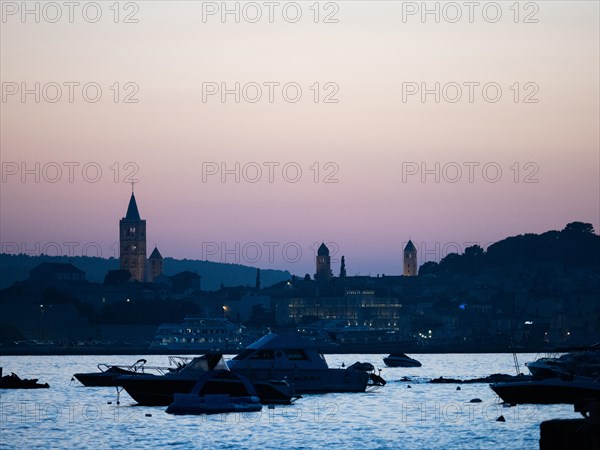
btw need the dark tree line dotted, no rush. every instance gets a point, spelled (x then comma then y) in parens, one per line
(575, 245)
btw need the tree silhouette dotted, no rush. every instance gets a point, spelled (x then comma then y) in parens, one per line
(117, 276)
(579, 227)
(429, 268)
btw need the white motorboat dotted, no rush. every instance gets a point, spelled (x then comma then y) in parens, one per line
(301, 364)
(578, 363)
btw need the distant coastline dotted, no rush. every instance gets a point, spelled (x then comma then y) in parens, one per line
(140, 350)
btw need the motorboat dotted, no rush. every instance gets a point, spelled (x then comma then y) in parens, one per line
(400, 360)
(546, 391)
(158, 390)
(13, 381)
(108, 374)
(300, 362)
(211, 396)
(584, 363)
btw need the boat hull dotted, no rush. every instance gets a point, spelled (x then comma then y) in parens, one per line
(549, 391)
(159, 391)
(390, 362)
(106, 378)
(23, 384)
(309, 381)
(191, 404)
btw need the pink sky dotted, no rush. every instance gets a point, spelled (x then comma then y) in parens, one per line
(370, 136)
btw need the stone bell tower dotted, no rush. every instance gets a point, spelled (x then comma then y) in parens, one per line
(410, 260)
(154, 268)
(132, 239)
(323, 264)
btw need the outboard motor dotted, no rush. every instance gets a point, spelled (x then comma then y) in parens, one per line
(377, 380)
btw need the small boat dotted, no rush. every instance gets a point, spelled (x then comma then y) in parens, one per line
(548, 391)
(300, 362)
(205, 398)
(108, 374)
(159, 390)
(400, 360)
(13, 381)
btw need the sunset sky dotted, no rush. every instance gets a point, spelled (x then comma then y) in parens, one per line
(365, 199)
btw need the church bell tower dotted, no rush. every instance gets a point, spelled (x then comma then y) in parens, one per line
(410, 260)
(323, 264)
(132, 239)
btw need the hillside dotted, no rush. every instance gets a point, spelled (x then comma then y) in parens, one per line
(17, 267)
(576, 245)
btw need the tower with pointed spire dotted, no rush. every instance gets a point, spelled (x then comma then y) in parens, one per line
(155, 265)
(323, 263)
(410, 260)
(132, 240)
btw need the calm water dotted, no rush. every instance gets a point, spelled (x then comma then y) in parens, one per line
(429, 416)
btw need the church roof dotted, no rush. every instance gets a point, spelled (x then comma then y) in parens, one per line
(132, 209)
(323, 250)
(155, 254)
(410, 247)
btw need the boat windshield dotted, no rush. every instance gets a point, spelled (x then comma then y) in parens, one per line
(263, 354)
(205, 363)
(244, 354)
(255, 354)
(296, 355)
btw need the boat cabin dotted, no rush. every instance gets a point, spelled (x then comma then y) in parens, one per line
(280, 351)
